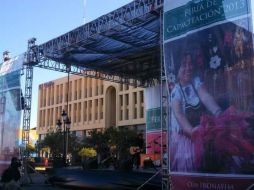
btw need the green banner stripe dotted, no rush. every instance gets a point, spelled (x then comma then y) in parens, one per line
(195, 15)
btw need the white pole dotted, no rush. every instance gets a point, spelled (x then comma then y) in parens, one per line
(84, 16)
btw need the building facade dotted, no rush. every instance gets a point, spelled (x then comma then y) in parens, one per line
(92, 104)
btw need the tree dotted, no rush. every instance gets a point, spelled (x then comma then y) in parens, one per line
(112, 141)
(54, 141)
(99, 141)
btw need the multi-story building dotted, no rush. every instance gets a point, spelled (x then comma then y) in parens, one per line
(92, 104)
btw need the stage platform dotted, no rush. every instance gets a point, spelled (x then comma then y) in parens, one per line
(104, 179)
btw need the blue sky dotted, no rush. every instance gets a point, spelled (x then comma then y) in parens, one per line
(44, 20)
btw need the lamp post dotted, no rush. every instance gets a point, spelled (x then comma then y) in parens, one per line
(59, 129)
(68, 125)
(64, 117)
(66, 128)
(66, 121)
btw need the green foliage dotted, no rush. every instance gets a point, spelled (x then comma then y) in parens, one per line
(112, 141)
(54, 141)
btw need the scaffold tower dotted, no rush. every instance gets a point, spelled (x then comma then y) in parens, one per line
(31, 59)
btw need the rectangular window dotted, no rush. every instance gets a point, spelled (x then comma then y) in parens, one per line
(75, 113)
(51, 117)
(100, 85)
(89, 87)
(57, 94)
(40, 119)
(79, 88)
(56, 114)
(75, 95)
(135, 113)
(135, 97)
(102, 88)
(79, 112)
(85, 88)
(52, 96)
(61, 93)
(43, 118)
(70, 91)
(48, 117)
(75, 90)
(44, 97)
(126, 114)
(85, 111)
(141, 96)
(41, 97)
(126, 99)
(48, 96)
(101, 108)
(121, 115)
(96, 109)
(60, 112)
(121, 100)
(70, 112)
(142, 112)
(96, 87)
(90, 110)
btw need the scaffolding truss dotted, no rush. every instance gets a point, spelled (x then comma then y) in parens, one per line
(49, 64)
(130, 14)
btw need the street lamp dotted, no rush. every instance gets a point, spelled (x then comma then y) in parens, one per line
(68, 125)
(59, 125)
(66, 128)
(66, 121)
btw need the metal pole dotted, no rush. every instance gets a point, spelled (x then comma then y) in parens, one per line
(64, 151)
(66, 145)
(2, 116)
(68, 81)
(65, 130)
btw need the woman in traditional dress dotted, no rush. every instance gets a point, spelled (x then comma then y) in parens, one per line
(189, 99)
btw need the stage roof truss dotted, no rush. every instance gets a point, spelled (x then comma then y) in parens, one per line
(77, 70)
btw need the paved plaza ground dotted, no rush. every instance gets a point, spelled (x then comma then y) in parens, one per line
(76, 178)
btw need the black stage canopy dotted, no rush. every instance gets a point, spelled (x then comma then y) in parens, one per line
(124, 42)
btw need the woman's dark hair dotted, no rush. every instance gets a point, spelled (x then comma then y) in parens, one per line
(184, 57)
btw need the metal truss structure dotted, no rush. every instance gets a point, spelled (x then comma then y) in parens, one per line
(49, 64)
(135, 32)
(164, 120)
(2, 116)
(30, 57)
(164, 135)
(131, 13)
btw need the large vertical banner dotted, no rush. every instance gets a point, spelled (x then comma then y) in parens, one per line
(208, 50)
(10, 109)
(155, 139)
(153, 120)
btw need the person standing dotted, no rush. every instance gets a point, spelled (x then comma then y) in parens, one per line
(137, 149)
(11, 175)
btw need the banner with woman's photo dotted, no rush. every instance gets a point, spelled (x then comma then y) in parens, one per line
(10, 109)
(208, 51)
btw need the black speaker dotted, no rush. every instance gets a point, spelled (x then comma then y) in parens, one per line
(148, 163)
(126, 165)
